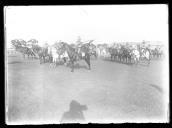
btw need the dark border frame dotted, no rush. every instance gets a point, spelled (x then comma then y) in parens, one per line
(74, 2)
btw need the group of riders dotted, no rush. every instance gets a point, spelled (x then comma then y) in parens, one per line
(59, 52)
(68, 54)
(131, 53)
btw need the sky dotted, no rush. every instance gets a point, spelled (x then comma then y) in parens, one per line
(102, 23)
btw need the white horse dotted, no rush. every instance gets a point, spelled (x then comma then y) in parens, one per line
(105, 53)
(98, 51)
(53, 52)
(136, 56)
(145, 54)
(64, 57)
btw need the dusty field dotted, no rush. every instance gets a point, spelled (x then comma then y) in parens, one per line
(113, 92)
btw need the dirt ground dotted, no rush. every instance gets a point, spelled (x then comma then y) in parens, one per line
(113, 92)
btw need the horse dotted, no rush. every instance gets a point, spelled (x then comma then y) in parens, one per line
(113, 53)
(93, 50)
(36, 49)
(57, 54)
(135, 55)
(126, 54)
(145, 54)
(154, 53)
(119, 54)
(160, 52)
(102, 50)
(21, 47)
(54, 56)
(30, 52)
(64, 56)
(77, 54)
(43, 55)
(26, 51)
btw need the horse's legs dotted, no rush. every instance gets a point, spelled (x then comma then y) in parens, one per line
(54, 62)
(137, 60)
(72, 62)
(129, 60)
(40, 58)
(87, 59)
(33, 56)
(148, 61)
(64, 59)
(51, 59)
(113, 57)
(44, 58)
(96, 55)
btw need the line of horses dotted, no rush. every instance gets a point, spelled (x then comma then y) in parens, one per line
(130, 54)
(68, 54)
(60, 52)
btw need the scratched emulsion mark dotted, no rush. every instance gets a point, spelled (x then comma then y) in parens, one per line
(15, 62)
(156, 87)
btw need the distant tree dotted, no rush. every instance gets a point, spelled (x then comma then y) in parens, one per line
(15, 43)
(23, 42)
(36, 48)
(32, 42)
(18, 43)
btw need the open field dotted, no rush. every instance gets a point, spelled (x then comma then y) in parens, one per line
(113, 92)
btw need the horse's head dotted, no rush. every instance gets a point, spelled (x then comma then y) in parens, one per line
(63, 45)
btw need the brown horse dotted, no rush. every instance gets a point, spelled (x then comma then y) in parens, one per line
(76, 54)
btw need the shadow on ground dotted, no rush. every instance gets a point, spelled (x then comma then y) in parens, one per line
(74, 114)
(119, 62)
(78, 66)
